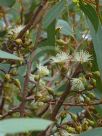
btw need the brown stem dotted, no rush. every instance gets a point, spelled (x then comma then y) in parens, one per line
(21, 12)
(60, 102)
(35, 18)
(79, 104)
(97, 6)
(66, 93)
(26, 81)
(25, 90)
(13, 110)
(62, 98)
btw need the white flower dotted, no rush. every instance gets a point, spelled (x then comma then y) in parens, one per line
(87, 37)
(77, 84)
(43, 70)
(61, 57)
(16, 30)
(82, 56)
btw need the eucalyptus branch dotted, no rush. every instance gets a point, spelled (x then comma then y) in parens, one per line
(21, 12)
(66, 93)
(13, 110)
(60, 101)
(79, 104)
(35, 18)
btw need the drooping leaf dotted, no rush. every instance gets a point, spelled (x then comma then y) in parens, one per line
(97, 42)
(10, 126)
(5, 55)
(98, 89)
(53, 13)
(51, 34)
(7, 3)
(93, 132)
(65, 27)
(90, 12)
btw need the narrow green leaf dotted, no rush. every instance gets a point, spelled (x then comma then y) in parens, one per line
(93, 132)
(90, 12)
(53, 13)
(97, 41)
(98, 89)
(10, 126)
(51, 34)
(7, 3)
(5, 55)
(65, 27)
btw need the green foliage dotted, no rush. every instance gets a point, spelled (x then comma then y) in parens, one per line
(7, 3)
(65, 27)
(5, 55)
(12, 126)
(94, 132)
(91, 14)
(97, 41)
(53, 13)
(51, 34)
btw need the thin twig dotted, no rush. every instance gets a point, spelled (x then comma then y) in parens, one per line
(60, 101)
(80, 104)
(35, 18)
(97, 6)
(13, 110)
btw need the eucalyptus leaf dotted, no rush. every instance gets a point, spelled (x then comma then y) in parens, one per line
(93, 132)
(11, 126)
(97, 41)
(51, 34)
(5, 55)
(53, 13)
(65, 27)
(90, 12)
